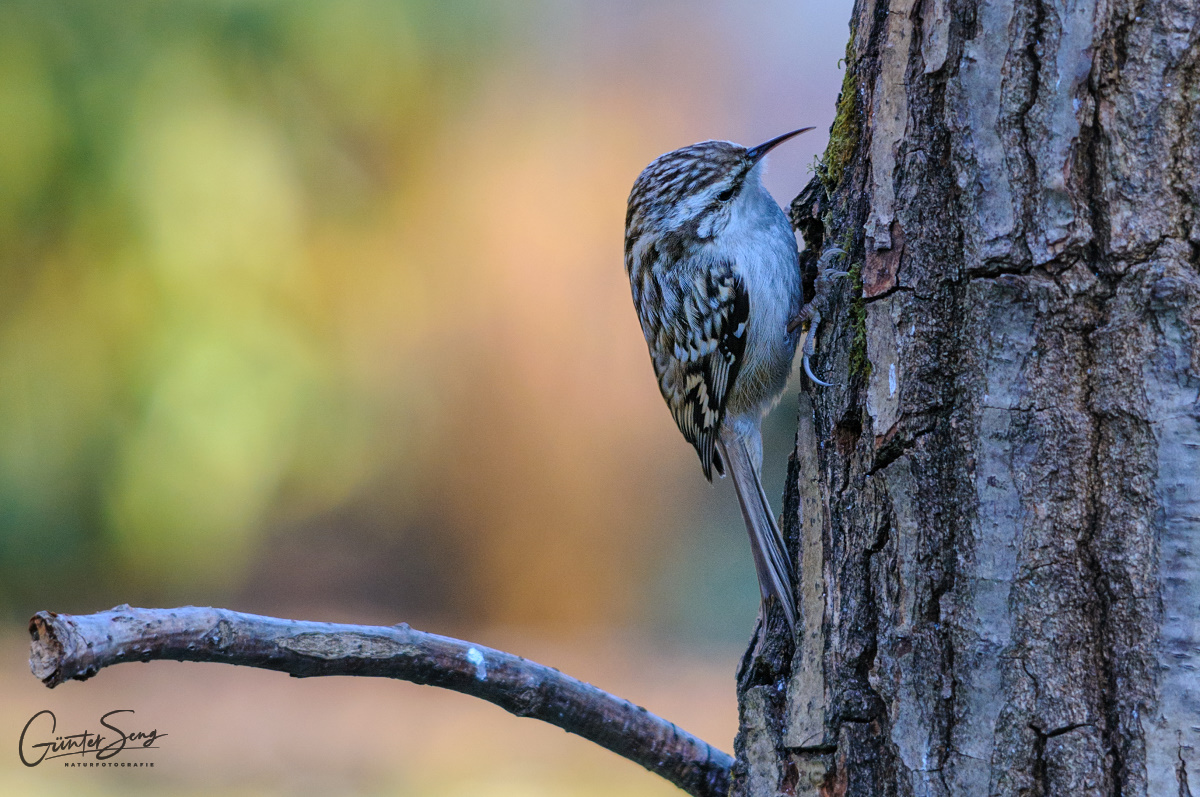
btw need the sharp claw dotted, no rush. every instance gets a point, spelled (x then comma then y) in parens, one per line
(829, 254)
(812, 376)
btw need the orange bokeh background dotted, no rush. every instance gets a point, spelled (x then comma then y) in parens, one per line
(318, 309)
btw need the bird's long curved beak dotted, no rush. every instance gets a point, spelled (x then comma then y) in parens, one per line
(755, 154)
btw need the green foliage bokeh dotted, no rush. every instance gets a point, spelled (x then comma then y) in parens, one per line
(168, 366)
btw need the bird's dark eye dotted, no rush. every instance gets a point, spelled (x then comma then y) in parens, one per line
(725, 195)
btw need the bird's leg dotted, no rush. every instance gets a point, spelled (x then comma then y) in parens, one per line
(810, 315)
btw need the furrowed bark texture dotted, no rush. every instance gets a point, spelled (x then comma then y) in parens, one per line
(997, 522)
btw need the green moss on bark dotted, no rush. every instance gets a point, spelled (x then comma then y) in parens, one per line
(843, 135)
(859, 364)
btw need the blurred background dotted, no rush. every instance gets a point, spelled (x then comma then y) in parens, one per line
(318, 309)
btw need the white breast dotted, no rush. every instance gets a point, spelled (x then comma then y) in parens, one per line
(760, 241)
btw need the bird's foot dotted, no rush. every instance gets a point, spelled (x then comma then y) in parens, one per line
(809, 317)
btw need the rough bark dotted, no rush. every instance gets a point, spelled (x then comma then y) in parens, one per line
(66, 647)
(996, 514)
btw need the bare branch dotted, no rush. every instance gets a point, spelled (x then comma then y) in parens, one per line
(69, 647)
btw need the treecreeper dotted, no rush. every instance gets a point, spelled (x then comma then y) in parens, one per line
(715, 274)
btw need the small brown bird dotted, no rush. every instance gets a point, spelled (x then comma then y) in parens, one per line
(715, 274)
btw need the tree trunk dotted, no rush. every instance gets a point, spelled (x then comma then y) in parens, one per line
(996, 513)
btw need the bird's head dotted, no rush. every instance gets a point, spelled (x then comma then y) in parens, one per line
(692, 192)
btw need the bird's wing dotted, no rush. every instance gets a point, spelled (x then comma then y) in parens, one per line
(695, 318)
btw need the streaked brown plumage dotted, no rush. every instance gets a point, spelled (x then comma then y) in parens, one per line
(715, 276)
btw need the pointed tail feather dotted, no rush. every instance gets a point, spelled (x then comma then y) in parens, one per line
(770, 553)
